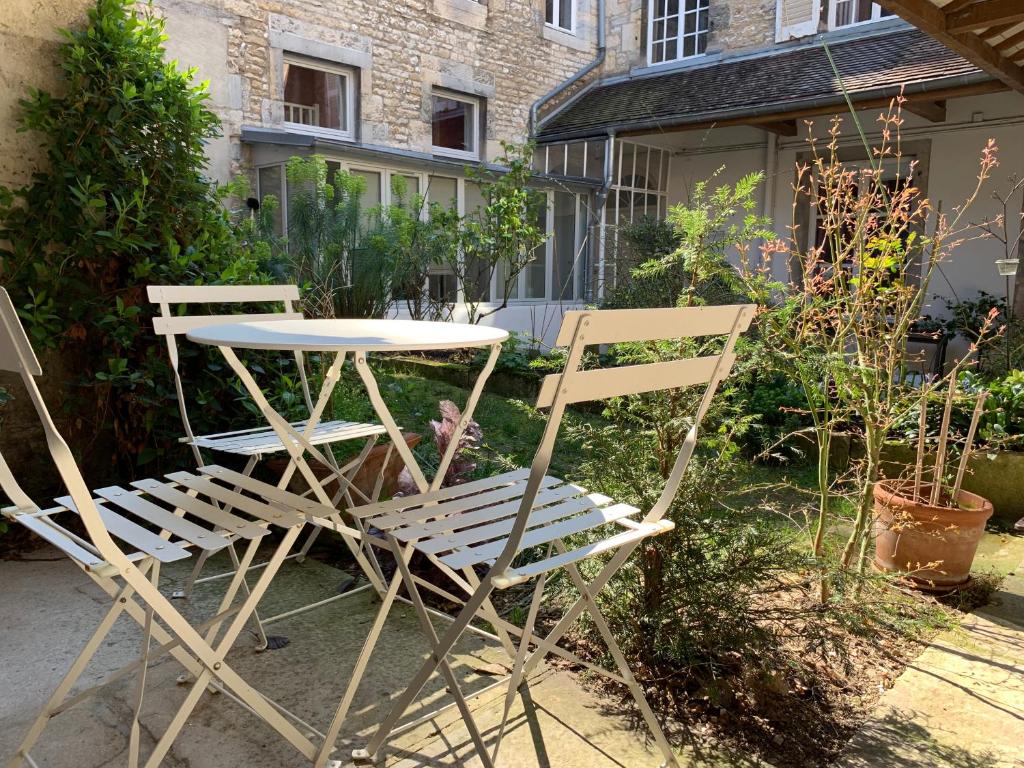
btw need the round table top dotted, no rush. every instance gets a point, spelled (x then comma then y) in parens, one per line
(336, 335)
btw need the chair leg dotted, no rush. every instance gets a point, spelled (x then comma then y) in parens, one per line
(359, 670)
(520, 660)
(190, 582)
(620, 661)
(219, 669)
(135, 734)
(439, 651)
(445, 667)
(77, 668)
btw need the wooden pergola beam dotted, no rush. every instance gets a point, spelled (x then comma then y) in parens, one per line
(780, 127)
(983, 15)
(933, 111)
(931, 19)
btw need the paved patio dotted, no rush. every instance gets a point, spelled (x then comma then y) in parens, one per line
(960, 704)
(47, 610)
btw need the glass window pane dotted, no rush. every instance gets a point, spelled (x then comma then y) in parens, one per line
(444, 191)
(575, 164)
(371, 196)
(478, 278)
(595, 159)
(564, 241)
(583, 247)
(549, 11)
(536, 271)
(453, 124)
(314, 97)
(565, 14)
(270, 180)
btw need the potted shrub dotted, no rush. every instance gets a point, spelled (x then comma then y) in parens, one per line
(930, 531)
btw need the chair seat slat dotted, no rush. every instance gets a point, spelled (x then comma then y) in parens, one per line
(524, 573)
(285, 518)
(265, 440)
(456, 506)
(132, 502)
(54, 534)
(131, 533)
(474, 486)
(541, 535)
(268, 491)
(199, 508)
(501, 528)
(485, 515)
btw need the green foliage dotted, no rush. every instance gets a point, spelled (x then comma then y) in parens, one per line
(687, 602)
(1001, 426)
(340, 272)
(122, 203)
(503, 235)
(715, 221)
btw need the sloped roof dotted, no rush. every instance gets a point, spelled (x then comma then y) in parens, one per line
(784, 79)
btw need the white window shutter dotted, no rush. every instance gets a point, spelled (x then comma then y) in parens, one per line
(796, 18)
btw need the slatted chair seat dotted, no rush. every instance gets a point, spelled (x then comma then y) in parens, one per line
(470, 524)
(201, 512)
(263, 441)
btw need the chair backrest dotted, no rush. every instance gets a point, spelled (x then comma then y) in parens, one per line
(16, 355)
(171, 325)
(584, 328)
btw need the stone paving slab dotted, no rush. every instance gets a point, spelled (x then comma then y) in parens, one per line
(961, 703)
(48, 609)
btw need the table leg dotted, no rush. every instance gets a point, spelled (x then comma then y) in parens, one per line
(297, 445)
(384, 414)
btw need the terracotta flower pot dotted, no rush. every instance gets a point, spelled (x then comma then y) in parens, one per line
(934, 546)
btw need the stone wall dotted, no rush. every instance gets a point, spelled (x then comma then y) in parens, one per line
(735, 26)
(28, 44)
(500, 51)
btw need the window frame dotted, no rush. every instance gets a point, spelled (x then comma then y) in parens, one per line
(476, 102)
(347, 133)
(556, 18)
(680, 34)
(876, 16)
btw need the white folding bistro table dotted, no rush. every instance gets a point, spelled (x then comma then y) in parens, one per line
(358, 338)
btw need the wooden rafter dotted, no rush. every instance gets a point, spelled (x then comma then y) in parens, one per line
(934, 21)
(984, 15)
(933, 111)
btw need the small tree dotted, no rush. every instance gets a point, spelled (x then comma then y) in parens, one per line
(502, 236)
(876, 262)
(123, 202)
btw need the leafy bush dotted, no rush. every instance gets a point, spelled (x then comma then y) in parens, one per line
(1002, 423)
(687, 603)
(123, 203)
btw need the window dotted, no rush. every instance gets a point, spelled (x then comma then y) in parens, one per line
(559, 14)
(845, 13)
(456, 125)
(318, 97)
(676, 29)
(639, 193)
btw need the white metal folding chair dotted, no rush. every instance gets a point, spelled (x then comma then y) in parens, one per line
(488, 524)
(129, 533)
(256, 443)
